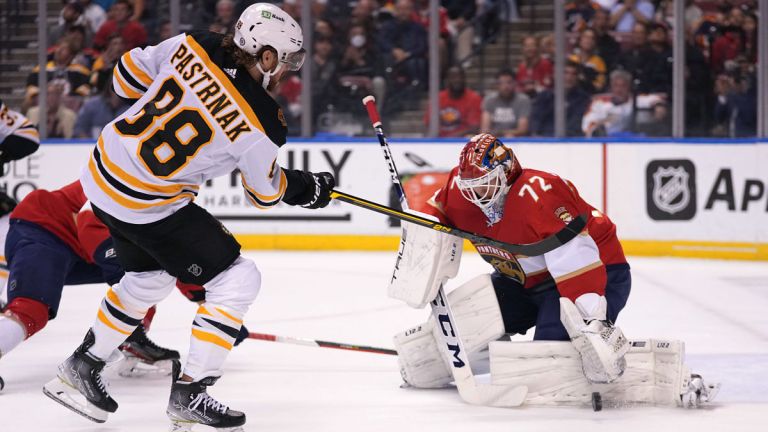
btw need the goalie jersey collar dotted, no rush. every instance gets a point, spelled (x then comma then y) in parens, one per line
(264, 106)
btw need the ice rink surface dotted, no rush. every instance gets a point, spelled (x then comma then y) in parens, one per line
(719, 308)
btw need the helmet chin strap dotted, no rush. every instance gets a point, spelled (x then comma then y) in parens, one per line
(266, 76)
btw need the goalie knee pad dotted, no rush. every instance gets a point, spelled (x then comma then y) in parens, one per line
(422, 358)
(426, 259)
(236, 287)
(31, 314)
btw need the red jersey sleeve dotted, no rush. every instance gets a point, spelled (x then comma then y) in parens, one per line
(437, 204)
(90, 232)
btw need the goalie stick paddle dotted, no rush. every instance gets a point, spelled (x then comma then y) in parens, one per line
(533, 249)
(469, 389)
(320, 343)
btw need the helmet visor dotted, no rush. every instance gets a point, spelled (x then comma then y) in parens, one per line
(293, 61)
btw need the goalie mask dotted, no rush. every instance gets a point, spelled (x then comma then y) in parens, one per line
(487, 168)
(265, 25)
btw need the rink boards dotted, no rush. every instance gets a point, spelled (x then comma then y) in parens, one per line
(682, 198)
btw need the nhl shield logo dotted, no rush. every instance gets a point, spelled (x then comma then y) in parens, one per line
(671, 189)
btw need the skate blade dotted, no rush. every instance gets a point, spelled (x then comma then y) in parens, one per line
(65, 394)
(186, 426)
(133, 367)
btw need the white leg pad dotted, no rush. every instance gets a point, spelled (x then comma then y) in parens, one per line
(655, 373)
(476, 310)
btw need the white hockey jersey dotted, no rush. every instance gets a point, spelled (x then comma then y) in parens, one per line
(198, 116)
(13, 123)
(615, 117)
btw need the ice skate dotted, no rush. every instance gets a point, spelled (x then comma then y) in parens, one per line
(79, 385)
(190, 405)
(144, 357)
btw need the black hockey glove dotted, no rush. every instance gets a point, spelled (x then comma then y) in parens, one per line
(309, 190)
(321, 196)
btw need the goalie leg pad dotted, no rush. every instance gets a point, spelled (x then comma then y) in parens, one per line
(426, 259)
(476, 310)
(552, 371)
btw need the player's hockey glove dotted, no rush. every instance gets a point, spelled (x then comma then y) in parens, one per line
(309, 190)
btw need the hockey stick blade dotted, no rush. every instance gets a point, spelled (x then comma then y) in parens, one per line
(533, 249)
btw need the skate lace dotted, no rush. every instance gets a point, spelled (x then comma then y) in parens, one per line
(207, 402)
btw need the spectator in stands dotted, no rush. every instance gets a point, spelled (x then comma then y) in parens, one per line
(634, 57)
(71, 15)
(459, 107)
(658, 63)
(660, 124)
(736, 106)
(97, 111)
(699, 103)
(506, 113)
(103, 66)
(403, 46)
(164, 32)
(324, 67)
(592, 65)
(61, 120)
(547, 46)
(693, 14)
(445, 42)
(726, 47)
(363, 13)
(224, 20)
(607, 47)
(132, 32)
(534, 73)
(60, 67)
(460, 15)
(577, 101)
(94, 15)
(357, 69)
(614, 113)
(625, 14)
(579, 14)
(749, 27)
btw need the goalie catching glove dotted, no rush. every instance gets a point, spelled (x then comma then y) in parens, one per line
(307, 189)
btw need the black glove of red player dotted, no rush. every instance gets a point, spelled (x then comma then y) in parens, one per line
(324, 184)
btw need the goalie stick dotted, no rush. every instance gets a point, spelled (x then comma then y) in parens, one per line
(320, 343)
(469, 389)
(532, 249)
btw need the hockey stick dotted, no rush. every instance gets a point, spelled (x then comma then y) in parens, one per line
(320, 344)
(533, 249)
(469, 389)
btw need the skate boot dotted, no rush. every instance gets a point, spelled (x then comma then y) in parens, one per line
(79, 385)
(191, 405)
(144, 357)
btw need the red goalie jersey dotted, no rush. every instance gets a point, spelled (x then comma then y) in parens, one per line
(537, 205)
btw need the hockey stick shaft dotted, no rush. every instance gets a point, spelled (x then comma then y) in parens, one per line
(533, 249)
(320, 343)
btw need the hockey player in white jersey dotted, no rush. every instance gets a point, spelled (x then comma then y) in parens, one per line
(18, 137)
(203, 110)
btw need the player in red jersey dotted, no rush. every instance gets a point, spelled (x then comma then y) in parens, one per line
(573, 292)
(490, 194)
(50, 243)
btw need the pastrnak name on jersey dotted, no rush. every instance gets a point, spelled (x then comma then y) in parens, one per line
(210, 91)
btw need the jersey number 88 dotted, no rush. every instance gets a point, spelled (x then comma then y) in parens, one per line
(163, 151)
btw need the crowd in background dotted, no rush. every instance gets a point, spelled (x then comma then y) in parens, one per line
(618, 75)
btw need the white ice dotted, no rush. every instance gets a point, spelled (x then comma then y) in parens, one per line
(719, 308)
